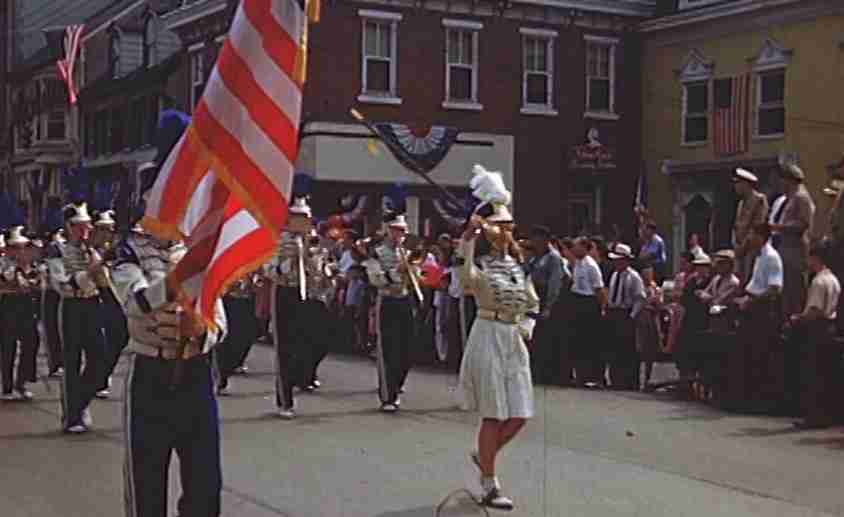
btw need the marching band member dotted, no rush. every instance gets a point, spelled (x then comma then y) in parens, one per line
(495, 377)
(289, 275)
(104, 240)
(76, 274)
(389, 271)
(21, 283)
(239, 303)
(169, 395)
(50, 299)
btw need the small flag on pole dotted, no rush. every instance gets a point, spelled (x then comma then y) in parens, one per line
(67, 65)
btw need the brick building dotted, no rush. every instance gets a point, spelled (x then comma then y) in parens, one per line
(548, 96)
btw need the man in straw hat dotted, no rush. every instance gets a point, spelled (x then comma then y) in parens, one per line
(389, 270)
(75, 274)
(626, 299)
(752, 210)
(795, 231)
(21, 281)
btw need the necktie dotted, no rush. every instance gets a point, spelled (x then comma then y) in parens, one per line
(780, 212)
(616, 297)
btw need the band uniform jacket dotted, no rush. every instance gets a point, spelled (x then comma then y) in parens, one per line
(68, 270)
(751, 211)
(797, 219)
(154, 322)
(383, 271)
(320, 268)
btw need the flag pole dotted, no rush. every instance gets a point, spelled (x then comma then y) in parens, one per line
(416, 168)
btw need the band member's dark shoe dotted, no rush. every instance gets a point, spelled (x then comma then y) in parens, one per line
(286, 413)
(389, 408)
(241, 370)
(494, 499)
(9, 397)
(103, 394)
(310, 388)
(224, 389)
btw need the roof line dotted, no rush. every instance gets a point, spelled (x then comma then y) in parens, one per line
(89, 33)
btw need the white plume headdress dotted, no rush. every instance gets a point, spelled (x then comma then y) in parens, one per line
(488, 186)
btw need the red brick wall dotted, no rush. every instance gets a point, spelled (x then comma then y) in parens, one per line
(542, 144)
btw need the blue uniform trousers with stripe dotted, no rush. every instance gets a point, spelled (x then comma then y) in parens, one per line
(170, 406)
(80, 322)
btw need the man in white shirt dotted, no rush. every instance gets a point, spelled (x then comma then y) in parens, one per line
(626, 299)
(762, 379)
(589, 301)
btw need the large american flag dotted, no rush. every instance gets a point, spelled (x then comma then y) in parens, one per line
(731, 119)
(67, 65)
(225, 186)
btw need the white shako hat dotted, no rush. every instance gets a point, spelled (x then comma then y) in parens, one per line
(300, 207)
(488, 186)
(399, 221)
(16, 237)
(77, 214)
(106, 218)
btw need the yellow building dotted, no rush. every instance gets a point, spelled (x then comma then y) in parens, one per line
(750, 83)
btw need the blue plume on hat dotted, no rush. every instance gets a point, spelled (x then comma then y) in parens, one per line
(76, 184)
(394, 201)
(172, 124)
(302, 185)
(104, 192)
(53, 217)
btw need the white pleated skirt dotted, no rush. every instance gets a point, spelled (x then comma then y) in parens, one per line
(495, 378)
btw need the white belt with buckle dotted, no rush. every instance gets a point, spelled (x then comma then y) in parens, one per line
(502, 317)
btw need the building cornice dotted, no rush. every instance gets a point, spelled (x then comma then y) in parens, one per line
(712, 12)
(674, 167)
(193, 12)
(622, 7)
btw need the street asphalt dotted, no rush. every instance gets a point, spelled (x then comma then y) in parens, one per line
(588, 453)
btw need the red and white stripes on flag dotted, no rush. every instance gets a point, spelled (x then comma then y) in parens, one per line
(226, 184)
(72, 35)
(732, 122)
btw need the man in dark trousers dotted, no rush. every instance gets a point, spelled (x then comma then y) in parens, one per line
(626, 298)
(77, 276)
(589, 301)
(550, 355)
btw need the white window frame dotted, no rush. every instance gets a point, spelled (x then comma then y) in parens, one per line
(612, 43)
(549, 36)
(691, 4)
(708, 113)
(474, 28)
(391, 20)
(195, 52)
(771, 58)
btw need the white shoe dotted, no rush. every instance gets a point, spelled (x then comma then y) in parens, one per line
(286, 414)
(493, 499)
(224, 391)
(317, 383)
(389, 408)
(76, 429)
(10, 396)
(103, 394)
(25, 394)
(87, 419)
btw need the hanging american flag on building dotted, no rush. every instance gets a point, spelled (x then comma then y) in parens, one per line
(67, 65)
(225, 186)
(731, 124)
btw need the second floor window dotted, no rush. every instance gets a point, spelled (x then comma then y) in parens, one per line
(197, 77)
(600, 75)
(695, 112)
(538, 80)
(56, 125)
(379, 58)
(461, 74)
(770, 103)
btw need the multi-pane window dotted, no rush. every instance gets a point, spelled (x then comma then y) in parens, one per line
(462, 64)
(197, 77)
(770, 103)
(695, 112)
(600, 74)
(538, 79)
(379, 57)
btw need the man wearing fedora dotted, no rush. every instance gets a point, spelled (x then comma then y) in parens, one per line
(795, 231)
(21, 283)
(388, 271)
(626, 298)
(752, 210)
(77, 274)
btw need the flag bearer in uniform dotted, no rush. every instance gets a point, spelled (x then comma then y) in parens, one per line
(77, 274)
(626, 300)
(389, 271)
(21, 282)
(169, 402)
(495, 377)
(288, 271)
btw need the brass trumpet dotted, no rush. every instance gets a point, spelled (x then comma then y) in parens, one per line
(411, 274)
